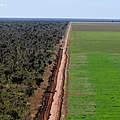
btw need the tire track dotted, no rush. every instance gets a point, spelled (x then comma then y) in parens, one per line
(55, 111)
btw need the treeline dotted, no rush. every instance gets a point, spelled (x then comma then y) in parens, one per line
(26, 48)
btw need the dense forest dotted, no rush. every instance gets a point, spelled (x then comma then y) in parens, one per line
(26, 50)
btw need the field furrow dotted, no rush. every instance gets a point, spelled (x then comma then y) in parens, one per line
(94, 72)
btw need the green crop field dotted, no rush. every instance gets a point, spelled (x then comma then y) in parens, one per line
(94, 85)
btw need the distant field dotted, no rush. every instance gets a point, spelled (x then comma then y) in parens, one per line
(94, 88)
(114, 27)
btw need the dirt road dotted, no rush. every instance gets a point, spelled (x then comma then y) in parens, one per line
(58, 96)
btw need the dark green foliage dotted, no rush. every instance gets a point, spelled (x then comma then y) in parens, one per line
(13, 114)
(26, 48)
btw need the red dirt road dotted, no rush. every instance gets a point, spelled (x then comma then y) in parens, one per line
(58, 96)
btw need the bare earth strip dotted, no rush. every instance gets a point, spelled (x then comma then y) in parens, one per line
(57, 99)
(64, 110)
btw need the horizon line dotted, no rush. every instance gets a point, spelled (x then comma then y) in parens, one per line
(57, 18)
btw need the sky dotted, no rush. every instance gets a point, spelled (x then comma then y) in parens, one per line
(60, 9)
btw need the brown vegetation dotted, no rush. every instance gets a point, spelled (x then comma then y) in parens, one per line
(96, 27)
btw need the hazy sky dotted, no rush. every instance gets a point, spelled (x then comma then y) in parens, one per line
(60, 8)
